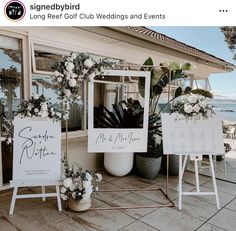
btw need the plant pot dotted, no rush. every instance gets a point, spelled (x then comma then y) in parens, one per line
(173, 164)
(118, 164)
(148, 167)
(79, 205)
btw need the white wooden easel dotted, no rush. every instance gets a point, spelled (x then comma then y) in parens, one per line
(30, 183)
(196, 158)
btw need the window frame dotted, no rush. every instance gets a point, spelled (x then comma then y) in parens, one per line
(26, 81)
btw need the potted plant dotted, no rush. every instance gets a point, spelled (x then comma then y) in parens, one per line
(126, 114)
(78, 185)
(148, 164)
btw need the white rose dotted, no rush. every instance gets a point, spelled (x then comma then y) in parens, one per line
(87, 184)
(70, 66)
(36, 110)
(73, 55)
(203, 104)
(68, 182)
(56, 73)
(88, 63)
(44, 107)
(67, 93)
(192, 99)
(188, 108)
(29, 108)
(73, 75)
(63, 190)
(36, 96)
(72, 188)
(43, 114)
(64, 197)
(99, 177)
(59, 79)
(72, 82)
(88, 176)
(196, 108)
(29, 114)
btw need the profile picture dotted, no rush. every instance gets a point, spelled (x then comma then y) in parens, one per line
(15, 10)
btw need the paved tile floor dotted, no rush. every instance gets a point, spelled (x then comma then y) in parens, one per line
(198, 213)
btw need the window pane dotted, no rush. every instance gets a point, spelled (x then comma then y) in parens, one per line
(43, 84)
(11, 89)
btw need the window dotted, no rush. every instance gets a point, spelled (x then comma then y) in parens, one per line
(44, 58)
(11, 88)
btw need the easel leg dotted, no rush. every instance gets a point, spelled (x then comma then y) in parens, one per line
(183, 169)
(180, 182)
(58, 198)
(214, 182)
(196, 175)
(167, 173)
(43, 192)
(13, 201)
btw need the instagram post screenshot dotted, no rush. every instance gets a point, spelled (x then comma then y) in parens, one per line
(117, 115)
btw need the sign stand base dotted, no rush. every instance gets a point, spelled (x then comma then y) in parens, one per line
(196, 158)
(43, 195)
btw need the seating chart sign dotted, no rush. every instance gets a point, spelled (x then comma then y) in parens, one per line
(183, 137)
(37, 149)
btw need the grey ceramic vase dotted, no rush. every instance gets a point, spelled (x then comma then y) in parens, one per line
(148, 167)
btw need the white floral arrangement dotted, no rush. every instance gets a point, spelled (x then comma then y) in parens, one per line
(193, 106)
(77, 183)
(73, 71)
(38, 106)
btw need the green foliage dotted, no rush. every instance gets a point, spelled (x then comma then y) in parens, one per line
(203, 92)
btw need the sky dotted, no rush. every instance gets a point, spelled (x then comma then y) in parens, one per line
(211, 40)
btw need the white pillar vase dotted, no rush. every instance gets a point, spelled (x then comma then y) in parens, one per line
(79, 205)
(118, 164)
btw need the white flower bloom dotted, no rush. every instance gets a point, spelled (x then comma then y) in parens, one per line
(29, 114)
(192, 99)
(69, 59)
(87, 184)
(188, 108)
(72, 82)
(70, 66)
(29, 108)
(203, 103)
(44, 106)
(73, 75)
(59, 79)
(88, 176)
(67, 93)
(68, 182)
(68, 76)
(73, 56)
(99, 177)
(92, 75)
(88, 63)
(43, 114)
(35, 96)
(56, 73)
(63, 190)
(64, 197)
(72, 188)
(96, 188)
(58, 114)
(196, 108)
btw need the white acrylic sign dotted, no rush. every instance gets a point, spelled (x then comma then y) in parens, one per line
(118, 140)
(37, 150)
(188, 137)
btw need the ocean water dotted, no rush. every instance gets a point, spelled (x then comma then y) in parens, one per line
(226, 109)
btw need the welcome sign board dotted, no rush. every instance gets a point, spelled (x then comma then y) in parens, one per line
(118, 139)
(189, 137)
(37, 149)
